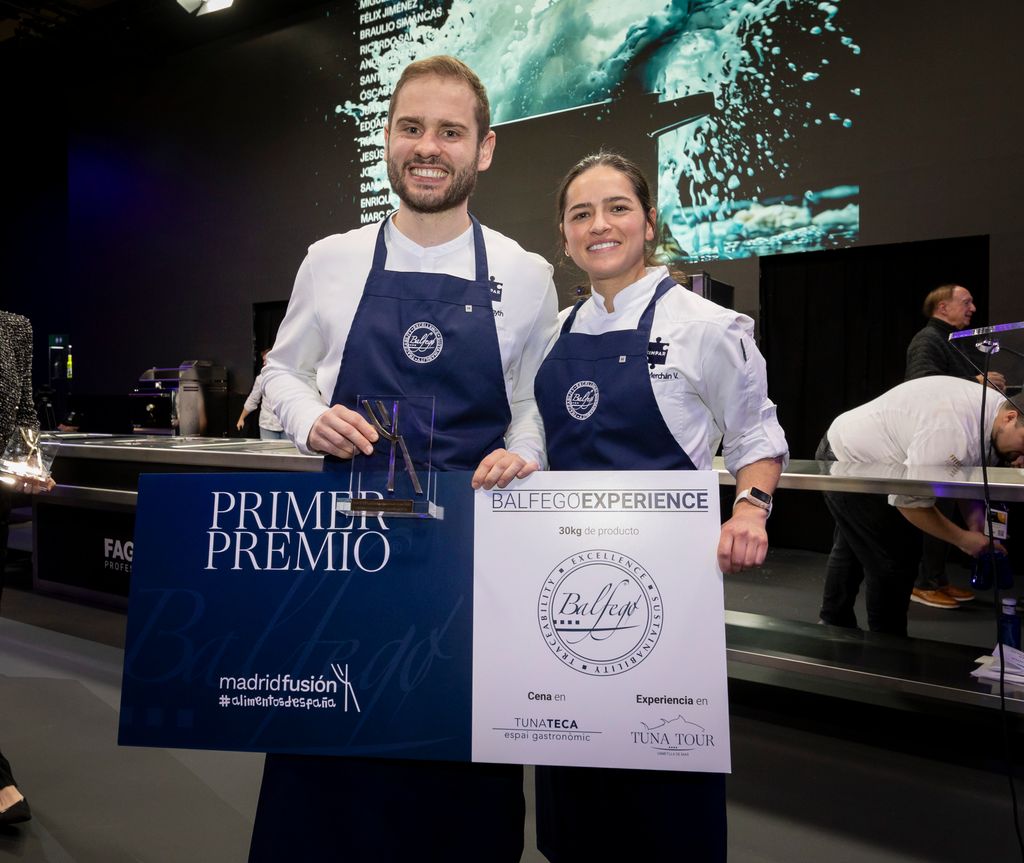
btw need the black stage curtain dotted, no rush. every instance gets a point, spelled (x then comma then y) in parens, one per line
(834, 330)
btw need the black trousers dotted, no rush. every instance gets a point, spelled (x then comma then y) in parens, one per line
(367, 810)
(6, 774)
(5, 517)
(586, 815)
(931, 573)
(873, 545)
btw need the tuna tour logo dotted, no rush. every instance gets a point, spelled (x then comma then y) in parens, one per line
(676, 736)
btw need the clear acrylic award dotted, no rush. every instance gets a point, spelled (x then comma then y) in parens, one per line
(997, 353)
(398, 479)
(27, 457)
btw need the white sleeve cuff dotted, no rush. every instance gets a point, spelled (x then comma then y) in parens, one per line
(910, 502)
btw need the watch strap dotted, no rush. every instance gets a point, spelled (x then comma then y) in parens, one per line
(752, 495)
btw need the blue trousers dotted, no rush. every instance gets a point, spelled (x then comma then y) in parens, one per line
(367, 810)
(586, 815)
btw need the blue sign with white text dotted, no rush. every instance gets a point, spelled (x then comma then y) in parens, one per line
(263, 619)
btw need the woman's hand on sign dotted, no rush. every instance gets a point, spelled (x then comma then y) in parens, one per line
(500, 467)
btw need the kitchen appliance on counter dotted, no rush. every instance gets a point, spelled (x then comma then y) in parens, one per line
(154, 402)
(202, 399)
(188, 399)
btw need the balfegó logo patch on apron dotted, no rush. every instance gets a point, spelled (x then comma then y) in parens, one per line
(581, 400)
(422, 342)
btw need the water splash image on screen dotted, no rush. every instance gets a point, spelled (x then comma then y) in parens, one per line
(730, 185)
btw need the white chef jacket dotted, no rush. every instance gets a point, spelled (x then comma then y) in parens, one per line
(927, 421)
(713, 387)
(302, 368)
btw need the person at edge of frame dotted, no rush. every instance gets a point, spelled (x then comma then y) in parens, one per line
(17, 414)
(948, 308)
(270, 427)
(926, 422)
(356, 297)
(712, 386)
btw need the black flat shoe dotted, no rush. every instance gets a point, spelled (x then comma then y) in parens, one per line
(16, 814)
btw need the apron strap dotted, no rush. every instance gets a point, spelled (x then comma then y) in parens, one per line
(380, 250)
(481, 250)
(647, 318)
(567, 326)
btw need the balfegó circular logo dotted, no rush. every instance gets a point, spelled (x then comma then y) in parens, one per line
(600, 612)
(581, 400)
(422, 342)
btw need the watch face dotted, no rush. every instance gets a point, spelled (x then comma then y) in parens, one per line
(762, 496)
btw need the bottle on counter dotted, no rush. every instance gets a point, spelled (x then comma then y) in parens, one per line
(1009, 624)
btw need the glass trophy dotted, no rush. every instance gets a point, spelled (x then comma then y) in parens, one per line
(998, 352)
(398, 479)
(27, 456)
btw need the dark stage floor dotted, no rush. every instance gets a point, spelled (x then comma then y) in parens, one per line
(800, 790)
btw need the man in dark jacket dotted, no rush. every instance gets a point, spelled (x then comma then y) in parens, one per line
(948, 308)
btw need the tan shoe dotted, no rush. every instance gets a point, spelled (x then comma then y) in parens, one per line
(957, 593)
(933, 598)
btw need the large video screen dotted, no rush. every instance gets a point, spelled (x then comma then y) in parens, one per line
(734, 108)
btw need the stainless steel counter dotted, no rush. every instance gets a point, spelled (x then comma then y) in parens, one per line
(1006, 484)
(102, 472)
(863, 666)
(221, 453)
(104, 469)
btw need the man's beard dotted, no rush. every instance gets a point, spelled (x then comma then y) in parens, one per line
(460, 187)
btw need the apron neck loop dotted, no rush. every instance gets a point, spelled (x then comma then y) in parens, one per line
(646, 319)
(380, 251)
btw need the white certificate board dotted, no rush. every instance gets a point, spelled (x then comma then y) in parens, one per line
(599, 623)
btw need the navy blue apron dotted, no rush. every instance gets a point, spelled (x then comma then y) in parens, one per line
(430, 334)
(595, 397)
(413, 334)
